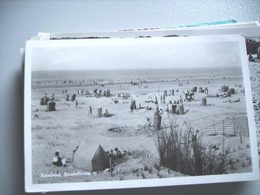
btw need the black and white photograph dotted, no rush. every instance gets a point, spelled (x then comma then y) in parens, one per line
(137, 112)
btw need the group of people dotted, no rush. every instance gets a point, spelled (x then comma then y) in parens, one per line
(99, 93)
(114, 154)
(46, 99)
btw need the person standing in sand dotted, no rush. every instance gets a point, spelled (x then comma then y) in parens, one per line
(90, 110)
(53, 97)
(131, 108)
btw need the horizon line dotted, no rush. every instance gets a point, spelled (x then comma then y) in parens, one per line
(137, 69)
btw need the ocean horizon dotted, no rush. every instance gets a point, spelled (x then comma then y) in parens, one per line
(135, 74)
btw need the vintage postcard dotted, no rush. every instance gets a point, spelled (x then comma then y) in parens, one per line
(138, 112)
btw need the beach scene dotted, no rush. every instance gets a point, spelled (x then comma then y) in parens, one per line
(144, 111)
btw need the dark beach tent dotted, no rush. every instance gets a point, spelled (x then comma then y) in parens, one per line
(99, 112)
(204, 101)
(100, 160)
(174, 109)
(108, 93)
(51, 106)
(157, 121)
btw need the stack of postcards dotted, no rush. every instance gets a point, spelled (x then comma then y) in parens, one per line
(142, 107)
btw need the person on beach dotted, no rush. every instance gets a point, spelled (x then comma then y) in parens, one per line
(67, 97)
(132, 107)
(157, 111)
(76, 103)
(63, 162)
(156, 101)
(46, 99)
(53, 97)
(180, 101)
(206, 90)
(161, 111)
(118, 153)
(167, 109)
(57, 160)
(90, 110)
(106, 114)
(250, 58)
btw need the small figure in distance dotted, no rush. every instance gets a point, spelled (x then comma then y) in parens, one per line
(53, 97)
(131, 108)
(106, 114)
(90, 110)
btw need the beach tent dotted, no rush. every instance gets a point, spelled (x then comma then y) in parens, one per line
(100, 160)
(85, 154)
(51, 106)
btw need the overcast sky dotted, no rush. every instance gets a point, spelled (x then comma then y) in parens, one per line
(137, 55)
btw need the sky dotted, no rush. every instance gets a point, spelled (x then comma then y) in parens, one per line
(136, 54)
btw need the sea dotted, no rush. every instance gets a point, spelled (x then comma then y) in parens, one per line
(128, 74)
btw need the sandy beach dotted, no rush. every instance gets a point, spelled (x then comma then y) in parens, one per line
(221, 124)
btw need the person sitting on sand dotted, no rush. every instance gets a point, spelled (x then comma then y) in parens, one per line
(148, 108)
(118, 153)
(57, 160)
(106, 114)
(234, 101)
